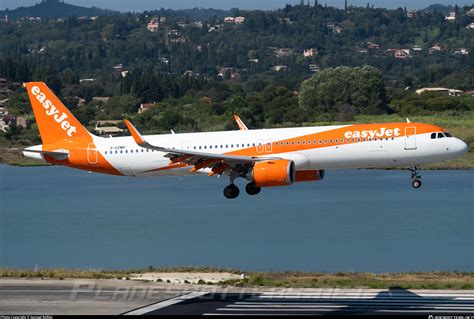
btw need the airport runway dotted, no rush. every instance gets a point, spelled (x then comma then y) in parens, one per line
(136, 298)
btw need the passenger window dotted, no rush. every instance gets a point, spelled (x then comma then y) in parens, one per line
(440, 135)
(199, 147)
(116, 152)
(298, 142)
(106, 152)
(320, 142)
(210, 146)
(304, 142)
(293, 142)
(309, 142)
(325, 141)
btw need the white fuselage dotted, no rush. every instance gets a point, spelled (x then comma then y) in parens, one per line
(317, 152)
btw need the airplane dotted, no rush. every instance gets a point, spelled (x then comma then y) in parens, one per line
(264, 157)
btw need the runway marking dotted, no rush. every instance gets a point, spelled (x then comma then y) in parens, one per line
(163, 304)
(314, 303)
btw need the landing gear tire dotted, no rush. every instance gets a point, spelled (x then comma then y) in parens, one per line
(251, 189)
(416, 183)
(231, 191)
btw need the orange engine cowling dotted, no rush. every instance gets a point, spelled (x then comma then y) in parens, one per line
(309, 175)
(273, 173)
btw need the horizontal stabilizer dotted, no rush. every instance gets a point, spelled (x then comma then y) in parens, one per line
(57, 154)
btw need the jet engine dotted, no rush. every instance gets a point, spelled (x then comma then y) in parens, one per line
(272, 173)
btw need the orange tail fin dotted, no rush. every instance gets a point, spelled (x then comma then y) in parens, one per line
(55, 122)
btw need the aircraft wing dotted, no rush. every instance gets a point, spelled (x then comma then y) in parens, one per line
(218, 162)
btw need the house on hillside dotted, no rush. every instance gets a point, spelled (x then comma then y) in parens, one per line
(310, 52)
(451, 92)
(461, 51)
(102, 99)
(108, 127)
(451, 16)
(279, 68)
(22, 122)
(314, 68)
(153, 25)
(373, 46)
(146, 107)
(283, 52)
(435, 48)
(215, 28)
(412, 13)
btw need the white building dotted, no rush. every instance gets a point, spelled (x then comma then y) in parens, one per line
(279, 68)
(310, 52)
(451, 17)
(153, 25)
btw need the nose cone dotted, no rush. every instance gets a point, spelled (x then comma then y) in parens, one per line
(458, 147)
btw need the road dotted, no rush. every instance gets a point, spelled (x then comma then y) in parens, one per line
(26, 296)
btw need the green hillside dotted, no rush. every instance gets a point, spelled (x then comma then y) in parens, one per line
(52, 9)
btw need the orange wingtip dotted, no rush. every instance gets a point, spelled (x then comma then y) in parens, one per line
(240, 123)
(136, 136)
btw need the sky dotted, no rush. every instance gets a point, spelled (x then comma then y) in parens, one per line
(141, 5)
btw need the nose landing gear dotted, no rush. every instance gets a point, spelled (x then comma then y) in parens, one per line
(416, 182)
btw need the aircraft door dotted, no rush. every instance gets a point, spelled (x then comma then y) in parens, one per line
(410, 138)
(92, 157)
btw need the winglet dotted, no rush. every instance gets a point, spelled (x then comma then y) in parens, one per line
(240, 123)
(135, 134)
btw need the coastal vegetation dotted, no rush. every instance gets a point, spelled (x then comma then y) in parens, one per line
(408, 280)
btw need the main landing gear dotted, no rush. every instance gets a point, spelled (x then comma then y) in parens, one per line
(252, 189)
(416, 182)
(231, 191)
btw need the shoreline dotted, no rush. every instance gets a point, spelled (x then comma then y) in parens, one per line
(288, 279)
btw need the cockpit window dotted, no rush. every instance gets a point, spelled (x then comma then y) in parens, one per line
(447, 134)
(433, 136)
(440, 135)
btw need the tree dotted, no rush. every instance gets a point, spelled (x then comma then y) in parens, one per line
(328, 90)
